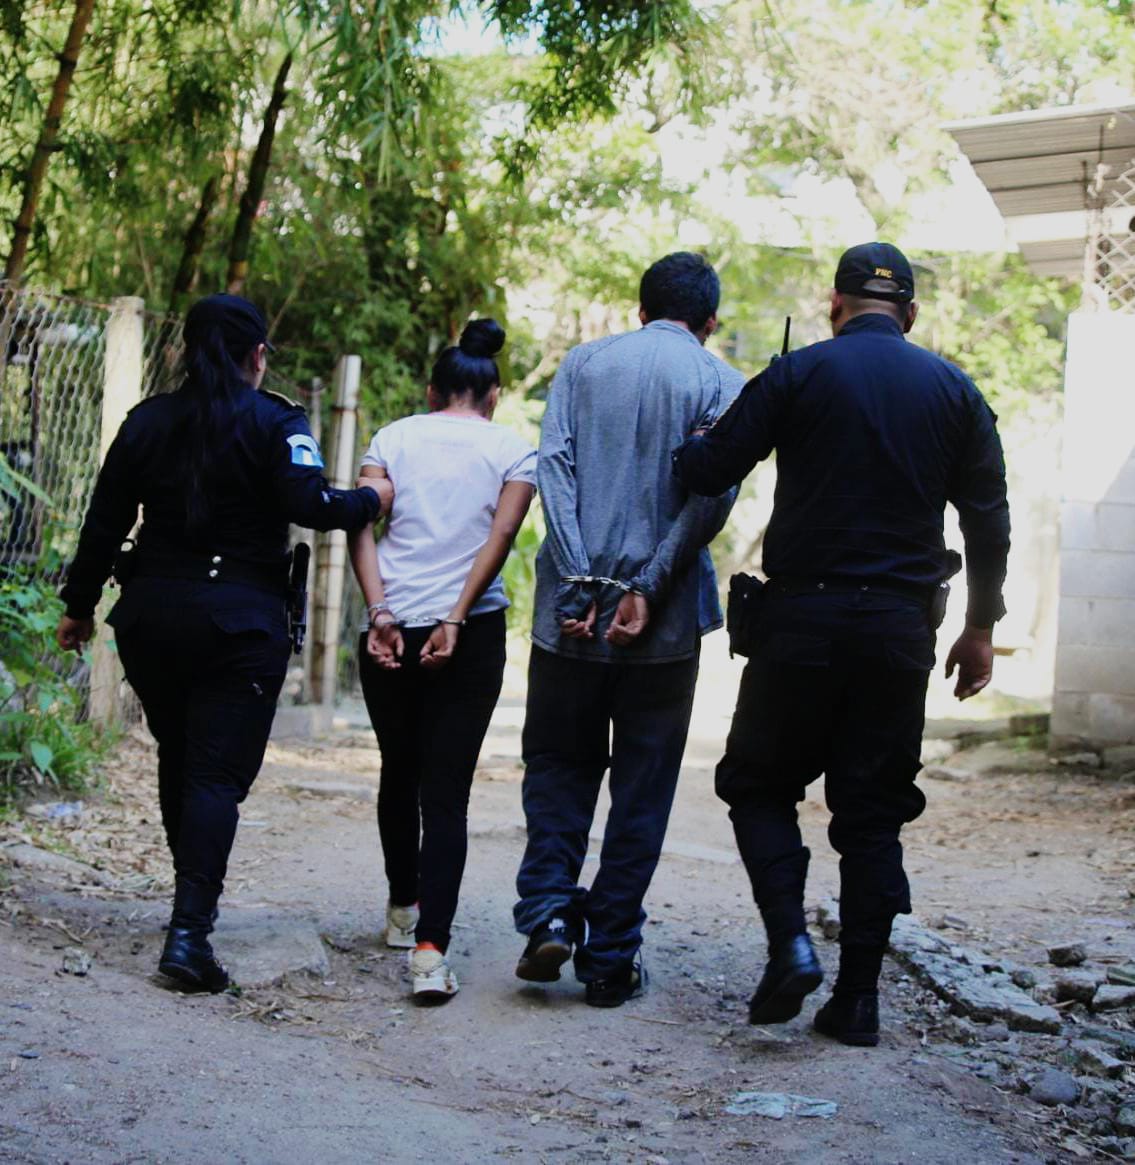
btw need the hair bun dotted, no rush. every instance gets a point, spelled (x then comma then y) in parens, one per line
(482, 338)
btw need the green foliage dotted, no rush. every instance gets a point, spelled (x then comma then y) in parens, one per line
(42, 739)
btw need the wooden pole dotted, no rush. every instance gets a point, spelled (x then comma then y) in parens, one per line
(121, 391)
(331, 558)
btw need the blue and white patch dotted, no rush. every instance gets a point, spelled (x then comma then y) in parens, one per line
(305, 451)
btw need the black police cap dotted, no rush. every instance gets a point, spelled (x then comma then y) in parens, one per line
(875, 271)
(240, 321)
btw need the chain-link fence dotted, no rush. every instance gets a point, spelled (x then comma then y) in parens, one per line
(51, 375)
(1112, 246)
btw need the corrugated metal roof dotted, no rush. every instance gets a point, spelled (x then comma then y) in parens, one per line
(1045, 161)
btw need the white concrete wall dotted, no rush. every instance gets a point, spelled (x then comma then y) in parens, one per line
(1094, 698)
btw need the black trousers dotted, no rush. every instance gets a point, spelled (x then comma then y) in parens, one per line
(836, 686)
(582, 717)
(430, 726)
(207, 662)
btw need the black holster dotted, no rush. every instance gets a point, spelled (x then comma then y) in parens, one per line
(741, 613)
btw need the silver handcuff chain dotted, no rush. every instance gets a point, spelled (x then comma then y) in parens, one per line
(602, 580)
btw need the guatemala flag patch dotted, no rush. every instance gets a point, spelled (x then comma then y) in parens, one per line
(305, 451)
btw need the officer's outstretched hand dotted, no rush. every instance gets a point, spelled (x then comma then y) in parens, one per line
(438, 650)
(384, 645)
(631, 618)
(972, 655)
(71, 634)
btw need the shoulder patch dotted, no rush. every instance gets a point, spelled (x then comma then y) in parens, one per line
(305, 451)
(279, 398)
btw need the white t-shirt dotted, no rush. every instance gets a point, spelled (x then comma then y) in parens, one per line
(448, 473)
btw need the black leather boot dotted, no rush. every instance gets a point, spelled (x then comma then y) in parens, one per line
(792, 972)
(188, 958)
(851, 1019)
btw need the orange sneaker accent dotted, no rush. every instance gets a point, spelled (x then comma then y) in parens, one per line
(429, 947)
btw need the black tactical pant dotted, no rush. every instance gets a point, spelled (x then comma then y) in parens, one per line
(836, 685)
(207, 661)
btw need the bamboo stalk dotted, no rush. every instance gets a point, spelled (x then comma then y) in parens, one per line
(48, 140)
(254, 191)
(194, 244)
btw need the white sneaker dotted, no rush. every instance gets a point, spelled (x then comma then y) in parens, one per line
(400, 924)
(433, 978)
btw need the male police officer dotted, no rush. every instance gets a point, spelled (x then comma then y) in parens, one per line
(873, 437)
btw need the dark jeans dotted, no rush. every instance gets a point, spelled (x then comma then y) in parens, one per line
(430, 726)
(581, 717)
(207, 662)
(836, 685)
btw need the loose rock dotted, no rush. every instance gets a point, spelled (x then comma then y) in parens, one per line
(1067, 954)
(778, 1105)
(1093, 1059)
(31, 857)
(1024, 977)
(1078, 760)
(946, 773)
(957, 975)
(827, 919)
(993, 1032)
(76, 961)
(1054, 1087)
(1125, 1119)
(1079, 986)
(1110, 998)
(1122, 976)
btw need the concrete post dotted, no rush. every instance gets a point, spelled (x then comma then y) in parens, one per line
(331, 559)
(315, 423)
(1094, 700)
(121, 391)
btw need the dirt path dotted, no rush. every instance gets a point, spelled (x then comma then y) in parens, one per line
(336, 1063)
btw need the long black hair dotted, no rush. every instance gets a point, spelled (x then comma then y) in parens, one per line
(469, 366)
(220, 332)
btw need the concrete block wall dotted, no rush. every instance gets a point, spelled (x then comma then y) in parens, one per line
(1094, 697)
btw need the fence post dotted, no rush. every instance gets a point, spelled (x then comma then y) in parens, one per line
(121, 391)
(331, 558)
(307, 660)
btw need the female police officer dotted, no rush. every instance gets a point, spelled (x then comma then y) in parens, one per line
(220, 470)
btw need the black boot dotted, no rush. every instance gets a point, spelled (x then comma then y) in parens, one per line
(851, 1019)
(792, 972)
(188, 958)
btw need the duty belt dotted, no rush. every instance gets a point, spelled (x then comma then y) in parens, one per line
(215, 568)
(801, 585)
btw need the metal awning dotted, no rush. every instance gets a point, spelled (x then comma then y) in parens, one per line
(1049, 161)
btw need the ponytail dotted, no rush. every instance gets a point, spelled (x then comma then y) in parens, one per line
(220, 332)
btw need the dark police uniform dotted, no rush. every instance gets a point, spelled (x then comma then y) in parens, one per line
(201, 625)
(873, 437)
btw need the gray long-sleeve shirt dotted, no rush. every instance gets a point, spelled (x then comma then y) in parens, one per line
(612, 506)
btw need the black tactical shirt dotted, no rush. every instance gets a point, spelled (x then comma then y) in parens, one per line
(873, 436)
(268, 473)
